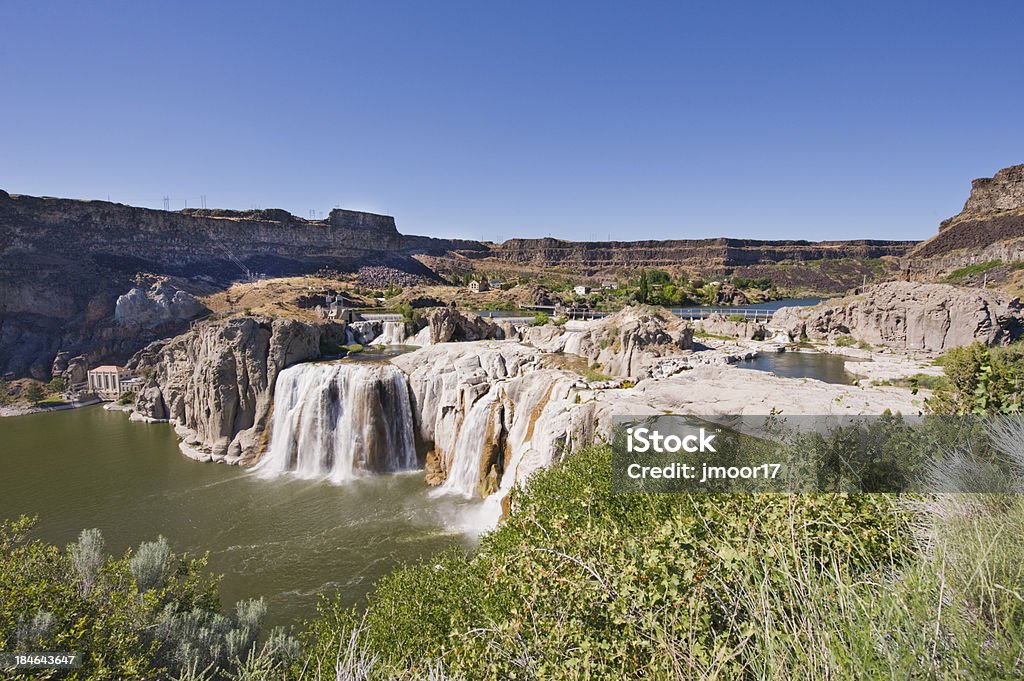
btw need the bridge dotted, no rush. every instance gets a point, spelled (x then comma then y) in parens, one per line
(749, 314)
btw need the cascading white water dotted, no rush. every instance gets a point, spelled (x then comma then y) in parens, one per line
(337, 420)
(464, 472)
(391, 333)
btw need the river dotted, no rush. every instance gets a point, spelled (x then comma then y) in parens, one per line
(286, 539)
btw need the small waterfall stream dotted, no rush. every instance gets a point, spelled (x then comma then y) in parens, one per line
(336, 421)
(464, 473)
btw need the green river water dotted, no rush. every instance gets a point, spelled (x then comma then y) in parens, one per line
(286, 539)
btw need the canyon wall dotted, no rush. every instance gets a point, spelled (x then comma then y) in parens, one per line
(698, 254)
(64, 264)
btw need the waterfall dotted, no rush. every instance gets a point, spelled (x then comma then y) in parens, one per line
(475, 433)
(337, 420)
(391, 333)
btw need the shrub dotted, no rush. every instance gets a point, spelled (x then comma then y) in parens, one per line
(56, 386)
(981, 380)
(34, 394)
(845, 341)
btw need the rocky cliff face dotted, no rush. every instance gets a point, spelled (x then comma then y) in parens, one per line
(698, 254)
(1002, 191)
(909, 316)
(64, 264)
(216, 383)
(990, 227)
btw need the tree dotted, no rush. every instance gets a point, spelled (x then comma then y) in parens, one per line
(5, 393)
(56, 386)
(645, 287)
(34, 394)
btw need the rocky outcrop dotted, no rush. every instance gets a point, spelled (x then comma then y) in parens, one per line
(158, 305)
(449, 324)
(1002, 191)
(909, 316)
(624, 345)
(990, 227)
(720, 325)
(489, 413)
(216, 382)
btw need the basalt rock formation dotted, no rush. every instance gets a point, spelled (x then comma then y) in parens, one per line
(990, 227)
(705, 255)
(909, 316)
(216, 383)
(64, 264)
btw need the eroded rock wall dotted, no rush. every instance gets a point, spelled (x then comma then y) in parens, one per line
(909, 316)
(216, 383)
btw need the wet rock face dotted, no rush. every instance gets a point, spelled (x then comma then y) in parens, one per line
(216, 382)
(909, 316)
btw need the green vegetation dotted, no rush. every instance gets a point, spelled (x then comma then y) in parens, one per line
(56, 386)
(5, 393)
(918, 381)
(845, 341)
(957, 276)
(147, 614)
(353, 348)
(34, 393)
(409, 314)
(540, 319)
(982, 380)
(593, 374)
(126, 398)
(737, 318)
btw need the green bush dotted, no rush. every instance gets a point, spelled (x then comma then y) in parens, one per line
(582, 582)
(981, 380)
(34, 393)
(148, 614)
(56, 386)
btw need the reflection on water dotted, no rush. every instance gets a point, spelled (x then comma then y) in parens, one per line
(818, 365)
(289, 540)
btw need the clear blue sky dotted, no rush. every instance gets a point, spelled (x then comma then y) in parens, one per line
(491, 120)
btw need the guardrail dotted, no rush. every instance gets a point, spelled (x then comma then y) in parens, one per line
(748, 313)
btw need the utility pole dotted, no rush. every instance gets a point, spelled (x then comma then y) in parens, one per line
(167, 203)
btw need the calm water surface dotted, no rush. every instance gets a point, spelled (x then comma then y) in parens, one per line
(818, 365)
(289, 540)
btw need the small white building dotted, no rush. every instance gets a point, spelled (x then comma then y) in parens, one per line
(609, 285)
(108, 381)
(581, 290)
(479, 286)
